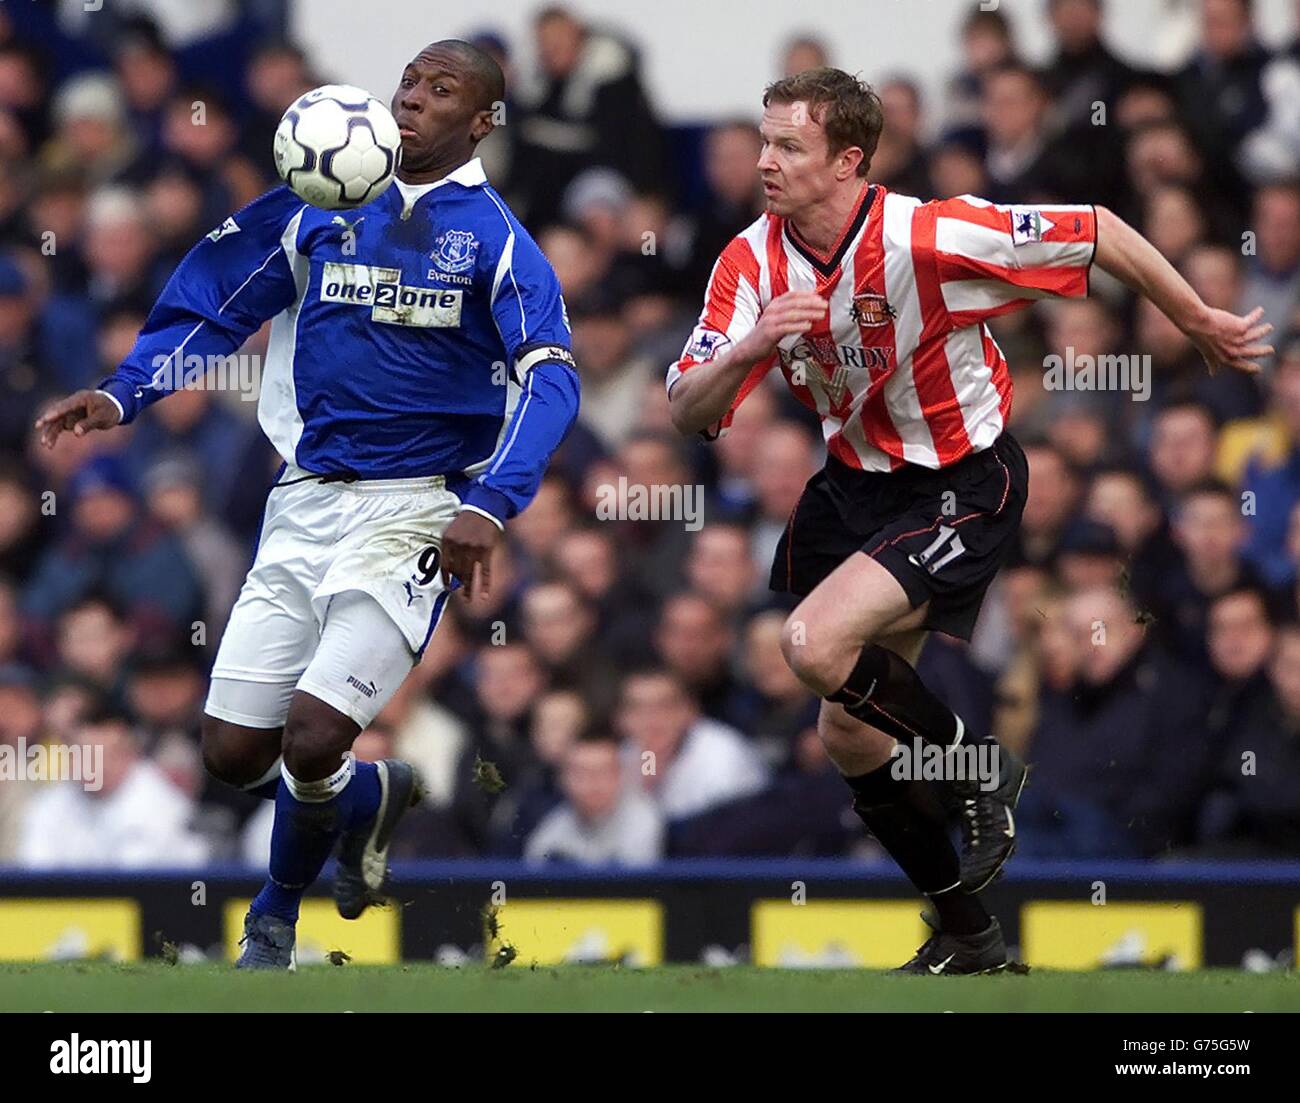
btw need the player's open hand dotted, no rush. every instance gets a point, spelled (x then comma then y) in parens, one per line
(786, 315)
(1232, 339)
(467, 552)
(80, 412)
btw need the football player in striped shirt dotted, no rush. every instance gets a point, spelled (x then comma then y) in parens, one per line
(874, 308)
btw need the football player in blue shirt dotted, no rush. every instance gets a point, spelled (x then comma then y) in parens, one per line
(416, 382)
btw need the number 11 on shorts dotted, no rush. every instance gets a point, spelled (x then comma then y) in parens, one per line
(926, 559)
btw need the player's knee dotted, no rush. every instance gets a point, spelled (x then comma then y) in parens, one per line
(230, 755)
(312, 743)
(814, 657)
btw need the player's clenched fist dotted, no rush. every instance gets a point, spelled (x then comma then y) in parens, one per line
(466, 547)
(80, 412)
(788, 314)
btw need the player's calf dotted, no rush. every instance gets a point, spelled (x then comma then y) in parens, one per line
(831, 642)
(324, 793)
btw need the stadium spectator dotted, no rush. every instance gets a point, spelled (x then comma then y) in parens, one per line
(109, 545)
(91, 132)
(1210, 533)
(1184, 436)
(1272, 479)
(686, 762)
(1272, 277)
(986, 44)
(734, 200)
(122, 813)
(780, 709)
(1128, 715)
(804, 52)
(1083, 72)
(147, 74)
(584, 105)
(1221, 86)
(694, 640)
(604, 819)
(613, 376)
(1054, 492)
(560, 627)
(21, 535)
(173, 489)
(1025, 161)
(900, 158)
(1256, 810)
(94, 640)
(20, 728)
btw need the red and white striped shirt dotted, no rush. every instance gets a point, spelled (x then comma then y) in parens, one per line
(903, 368)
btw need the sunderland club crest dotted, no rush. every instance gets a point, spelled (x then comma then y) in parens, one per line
(456, 251)
(870, 309)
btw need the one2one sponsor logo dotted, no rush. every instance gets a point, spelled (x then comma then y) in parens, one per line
(391, 301)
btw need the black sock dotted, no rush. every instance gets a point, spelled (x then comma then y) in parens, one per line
(885, 691)
(911, 824)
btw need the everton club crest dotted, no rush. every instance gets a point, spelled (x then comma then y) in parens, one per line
(456, 251)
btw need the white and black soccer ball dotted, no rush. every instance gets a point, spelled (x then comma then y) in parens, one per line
(337, 147)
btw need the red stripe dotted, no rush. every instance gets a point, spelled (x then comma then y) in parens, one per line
(778, 275)
(1065, 280)
(868, 272)
(931, 372)
(842, 410)
(999, 218)
(777, 271)
(963, 318)
(737, 262)
(1001, 374)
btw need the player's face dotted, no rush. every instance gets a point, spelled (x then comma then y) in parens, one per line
(436, 106)
(795, 163)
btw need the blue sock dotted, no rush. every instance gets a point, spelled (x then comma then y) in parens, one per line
(305, 832)
(361, 797)
(269, 784)
(267, 790)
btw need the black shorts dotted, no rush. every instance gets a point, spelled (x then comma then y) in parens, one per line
(943, 534)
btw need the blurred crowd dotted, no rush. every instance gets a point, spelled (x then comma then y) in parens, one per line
(620, 694)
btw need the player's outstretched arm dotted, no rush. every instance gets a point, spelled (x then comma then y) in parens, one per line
(79, 413)
(703, 395)
(1221, 336)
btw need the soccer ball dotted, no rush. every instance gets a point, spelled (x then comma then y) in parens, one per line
(337, 147)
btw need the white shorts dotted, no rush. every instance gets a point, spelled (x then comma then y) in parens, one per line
(320, 541)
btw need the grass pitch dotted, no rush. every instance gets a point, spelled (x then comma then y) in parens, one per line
(154, 986)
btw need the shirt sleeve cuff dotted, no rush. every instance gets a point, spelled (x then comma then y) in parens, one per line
(492, 504)
(123, 396)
